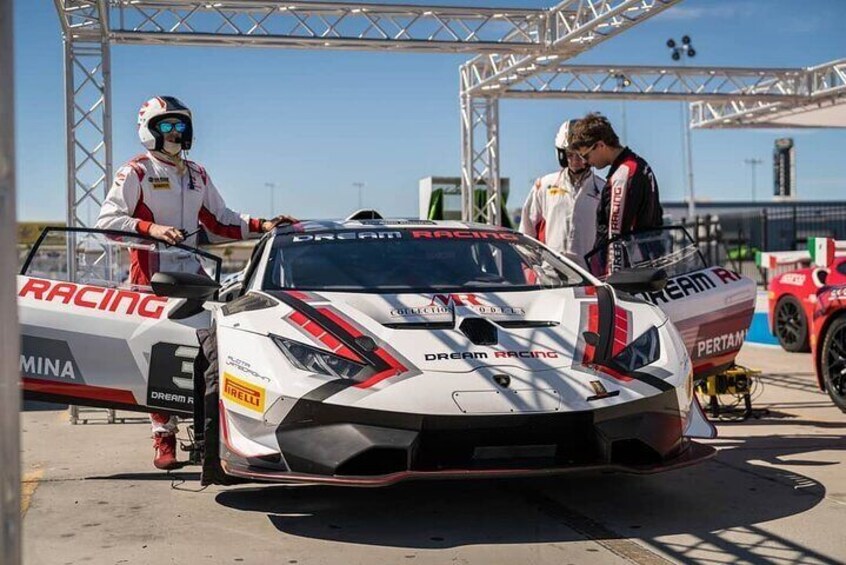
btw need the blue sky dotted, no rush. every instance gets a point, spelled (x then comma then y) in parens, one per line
(314, 122)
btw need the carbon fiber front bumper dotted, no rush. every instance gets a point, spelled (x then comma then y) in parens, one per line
(325, 443)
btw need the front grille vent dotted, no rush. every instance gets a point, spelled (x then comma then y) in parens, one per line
(527, 323)
(479, 331)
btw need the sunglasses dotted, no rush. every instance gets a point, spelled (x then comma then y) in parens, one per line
(587, 153)
(167, 127)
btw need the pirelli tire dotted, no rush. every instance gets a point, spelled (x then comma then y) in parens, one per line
(833, 361)
(207, 409)
(791, 325)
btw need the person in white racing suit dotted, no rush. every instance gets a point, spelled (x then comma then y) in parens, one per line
(165, 196)
(560, 210)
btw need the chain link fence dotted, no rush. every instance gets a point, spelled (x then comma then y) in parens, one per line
(732, 240)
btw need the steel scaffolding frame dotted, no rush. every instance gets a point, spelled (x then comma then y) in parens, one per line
(336, 25)
(573, 27)
(87, 104)
(522, 53)
(662, 83)
(817, 87)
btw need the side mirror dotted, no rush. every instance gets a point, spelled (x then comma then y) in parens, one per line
(638, 280)
(195, 288)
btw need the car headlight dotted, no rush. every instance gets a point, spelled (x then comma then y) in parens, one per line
(641, 352)
(315, 360)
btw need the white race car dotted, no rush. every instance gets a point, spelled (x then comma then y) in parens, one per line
(368, 352)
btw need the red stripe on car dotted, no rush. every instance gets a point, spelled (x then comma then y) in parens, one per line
(79, 391)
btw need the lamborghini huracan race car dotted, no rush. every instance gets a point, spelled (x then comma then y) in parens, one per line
(368, 352)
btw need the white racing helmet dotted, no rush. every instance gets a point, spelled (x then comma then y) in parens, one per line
(157, 109)
(561, 142)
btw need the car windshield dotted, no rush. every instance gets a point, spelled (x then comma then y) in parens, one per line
(414, 260)
(670, 248)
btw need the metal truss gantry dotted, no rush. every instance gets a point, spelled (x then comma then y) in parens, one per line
(521, 53)
(572, 27)
(819, 87)
(87, 106)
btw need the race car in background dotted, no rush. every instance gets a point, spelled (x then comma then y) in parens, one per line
(828, 342)
(367, 352)
(792, 295)
(828, 323)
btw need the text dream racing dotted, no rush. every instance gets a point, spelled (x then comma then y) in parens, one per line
(344, 235)
(495, 355)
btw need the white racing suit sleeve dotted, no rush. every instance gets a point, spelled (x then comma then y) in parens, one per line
(219, 219)
(122, 202)
(531, 217)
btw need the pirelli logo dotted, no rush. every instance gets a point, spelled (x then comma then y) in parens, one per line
(243, 393)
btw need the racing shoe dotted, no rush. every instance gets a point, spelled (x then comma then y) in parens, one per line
(165, 446)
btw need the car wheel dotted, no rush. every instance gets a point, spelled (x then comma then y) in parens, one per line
(207, 409)
(833, 362)
(791, 325)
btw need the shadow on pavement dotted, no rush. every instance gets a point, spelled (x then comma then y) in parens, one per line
(732, 492)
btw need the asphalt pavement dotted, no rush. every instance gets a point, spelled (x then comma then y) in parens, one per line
(775, 493)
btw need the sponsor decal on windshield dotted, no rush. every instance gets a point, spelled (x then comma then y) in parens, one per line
(463, 234)
(95, 297)
(346, 236)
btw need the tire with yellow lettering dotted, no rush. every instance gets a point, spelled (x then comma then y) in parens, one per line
(791, 325)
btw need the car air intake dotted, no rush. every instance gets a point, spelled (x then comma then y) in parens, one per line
(526, 323)
(479, 331)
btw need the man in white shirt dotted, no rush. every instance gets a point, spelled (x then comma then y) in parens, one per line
(560, 210)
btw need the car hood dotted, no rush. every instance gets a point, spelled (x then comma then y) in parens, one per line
(535, 330)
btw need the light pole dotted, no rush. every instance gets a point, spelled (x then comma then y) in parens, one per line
(679, 52)
(753, 163)
(359, 185)
(622, 82)
(272, 187)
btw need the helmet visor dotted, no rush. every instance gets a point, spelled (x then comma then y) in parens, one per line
(167, 127)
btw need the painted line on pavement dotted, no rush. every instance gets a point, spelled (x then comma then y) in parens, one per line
(28, 486)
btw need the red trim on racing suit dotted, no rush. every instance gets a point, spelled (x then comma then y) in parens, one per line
(629, 202)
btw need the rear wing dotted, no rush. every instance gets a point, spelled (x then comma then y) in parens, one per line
(821, 252)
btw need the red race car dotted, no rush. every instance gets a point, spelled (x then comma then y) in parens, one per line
(793, 298)
(828, 341)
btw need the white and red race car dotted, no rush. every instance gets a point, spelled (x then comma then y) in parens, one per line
(368, 352)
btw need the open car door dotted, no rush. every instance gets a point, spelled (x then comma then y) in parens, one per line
(712, 307)
(91, 337)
